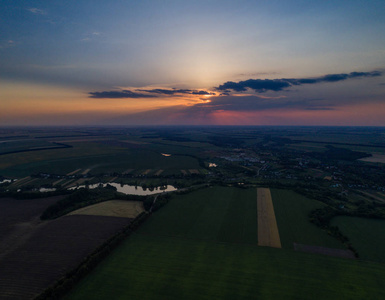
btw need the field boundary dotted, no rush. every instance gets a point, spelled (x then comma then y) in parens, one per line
(344, 253)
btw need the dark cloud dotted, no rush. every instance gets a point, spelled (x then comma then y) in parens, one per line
(166, 91)
(119, 94)
(148, 93)
(176, 91)
(264, 85)
(259, 85)
(202, 93)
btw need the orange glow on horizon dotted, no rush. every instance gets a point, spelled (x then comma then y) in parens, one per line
(23, 102)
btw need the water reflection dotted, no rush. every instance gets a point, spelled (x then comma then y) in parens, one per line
(43, 190)
(5, 181)
(132, 189)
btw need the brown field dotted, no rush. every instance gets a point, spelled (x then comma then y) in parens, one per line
(86, 171)
(193, 171)
(73, 172)
(268, 234)
(35, 254)
(146, 171)
(128, 171)
(65, 182)
(25, 181)
(112, 208)
(374, 195)
(113, 179)
(30, 181)
(184, 172)
(57, 181)
(69, 183)
(158, 172)
(324, 250)
(17, 217)
(375, 158)
(79, 181)
(20, 181)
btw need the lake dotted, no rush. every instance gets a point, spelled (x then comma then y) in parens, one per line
(132, 189)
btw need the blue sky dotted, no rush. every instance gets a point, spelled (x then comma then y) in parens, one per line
(55, 55)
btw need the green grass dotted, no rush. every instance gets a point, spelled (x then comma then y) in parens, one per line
(100, 158)
(154, 267)
(203, 245)
(24, 145)
(23, 164)
(216, 214)
(291, 211)
(366, 236)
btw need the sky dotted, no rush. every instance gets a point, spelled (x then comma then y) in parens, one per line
(278, 62)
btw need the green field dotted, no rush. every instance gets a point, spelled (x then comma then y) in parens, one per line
(151, 267)
(216, 214)
(291, 212)
(24, 145)
(97, 157)
(366, 236)
(203, 245)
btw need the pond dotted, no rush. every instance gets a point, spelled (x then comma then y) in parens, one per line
(5, 181)
(132, 189)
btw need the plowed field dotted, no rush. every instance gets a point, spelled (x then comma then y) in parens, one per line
(35, 254)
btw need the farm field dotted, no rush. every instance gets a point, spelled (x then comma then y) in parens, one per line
(34, 254)
(17, 218)
(268, 234)
(206, 242)
(211, 252)
(366, 236)
(80, 149)
(112, 208)
(375, 158)
(25, 145)
(291, 212)
(217, 214)
(94, 157)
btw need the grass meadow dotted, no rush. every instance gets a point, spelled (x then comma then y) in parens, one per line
(203, 245)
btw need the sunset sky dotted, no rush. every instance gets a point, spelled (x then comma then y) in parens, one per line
(192, 62)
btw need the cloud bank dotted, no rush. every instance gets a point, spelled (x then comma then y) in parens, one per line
(227, 98)
(119, 94)
(264, 85)
(148, 93)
